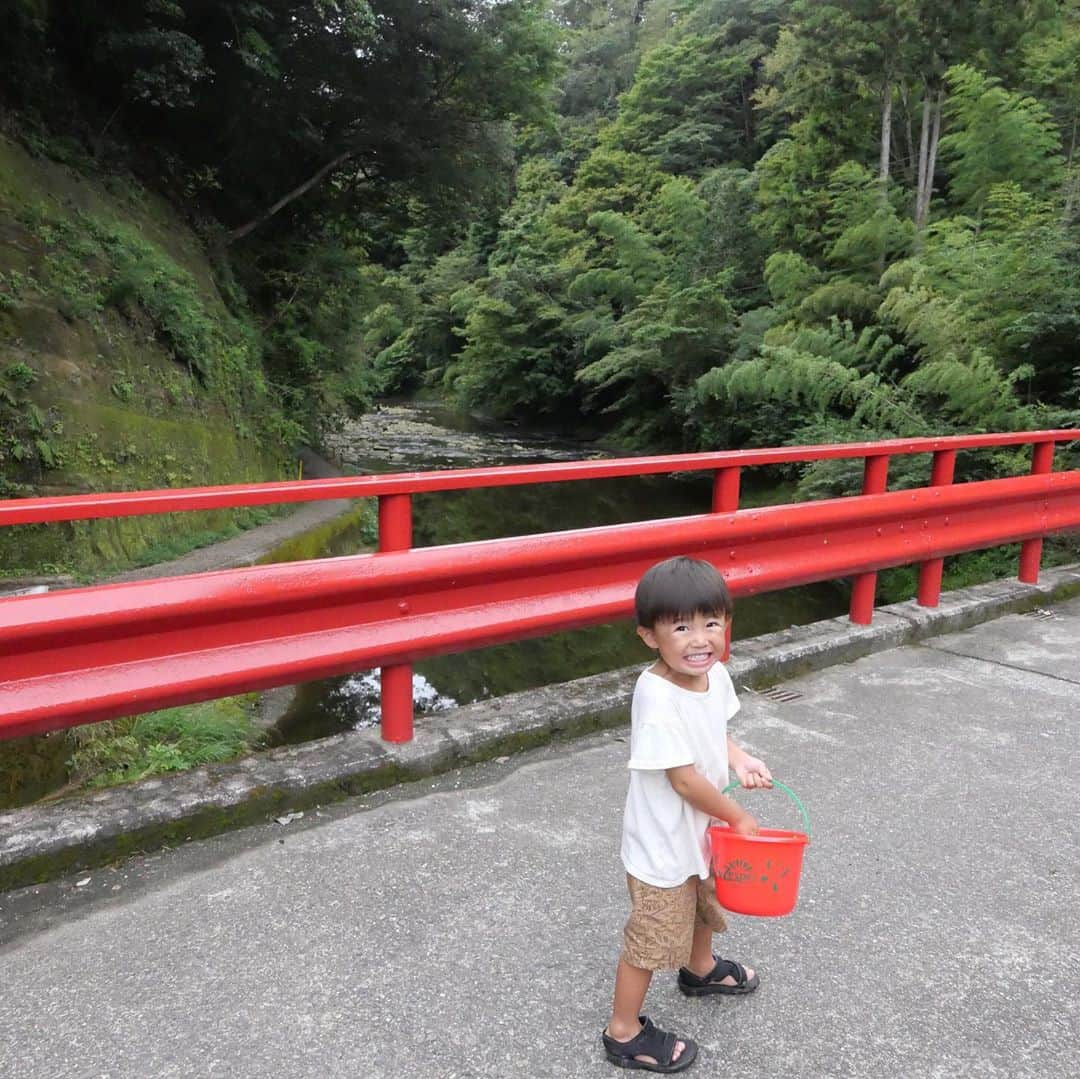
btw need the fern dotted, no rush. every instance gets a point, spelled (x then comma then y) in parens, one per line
(975, 392)
(805, 381)
(840, 296)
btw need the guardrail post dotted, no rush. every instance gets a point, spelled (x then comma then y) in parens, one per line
(1042, 461)
(941, 475)
(725, 499)
(725, 490)
(875, 480)
(395, 683)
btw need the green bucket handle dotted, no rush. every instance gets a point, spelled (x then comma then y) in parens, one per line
(787, 790)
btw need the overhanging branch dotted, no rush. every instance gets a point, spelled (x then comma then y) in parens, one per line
(295, 193)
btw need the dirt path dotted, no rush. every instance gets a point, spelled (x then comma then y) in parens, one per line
(247, 548)
(243, 550)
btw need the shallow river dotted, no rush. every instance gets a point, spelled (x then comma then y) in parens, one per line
(422, 437)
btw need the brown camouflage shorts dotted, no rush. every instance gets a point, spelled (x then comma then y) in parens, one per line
(659, 933)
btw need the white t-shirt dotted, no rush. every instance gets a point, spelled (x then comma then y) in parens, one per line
(664, 839)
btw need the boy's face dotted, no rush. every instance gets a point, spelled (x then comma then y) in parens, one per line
(688, 647)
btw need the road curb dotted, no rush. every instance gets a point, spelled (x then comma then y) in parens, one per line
(42, 841)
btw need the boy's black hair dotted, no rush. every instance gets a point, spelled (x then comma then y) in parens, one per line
(680, 588)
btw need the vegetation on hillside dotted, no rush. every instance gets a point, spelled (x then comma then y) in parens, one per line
(797, 221)
(310, 143)
(686, 222)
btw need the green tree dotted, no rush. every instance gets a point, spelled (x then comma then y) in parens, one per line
(659, 315)
(517, 360)
(691, 104)
(517, 356)
(998, 136)
(1003, 289)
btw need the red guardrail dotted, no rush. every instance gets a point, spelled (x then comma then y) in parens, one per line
(19, 511)
(97, 653)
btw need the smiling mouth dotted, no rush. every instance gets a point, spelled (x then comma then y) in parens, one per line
(698, 657)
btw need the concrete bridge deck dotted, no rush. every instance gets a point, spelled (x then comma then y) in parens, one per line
(468, 926)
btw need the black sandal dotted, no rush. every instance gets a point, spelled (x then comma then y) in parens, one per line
(693, 986)
(650, 1041)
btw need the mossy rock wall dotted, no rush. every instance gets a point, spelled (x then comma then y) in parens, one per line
(121, 367)
(116, 447)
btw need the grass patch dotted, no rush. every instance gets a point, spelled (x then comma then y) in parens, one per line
(173, 740)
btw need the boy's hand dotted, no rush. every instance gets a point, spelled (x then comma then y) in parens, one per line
(745, 825)
(751, 772)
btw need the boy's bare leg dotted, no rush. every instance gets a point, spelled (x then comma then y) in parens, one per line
(631, 985)
(701, 956)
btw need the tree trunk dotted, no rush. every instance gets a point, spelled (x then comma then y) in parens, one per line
(295, 193)
(886, 134)
(909, 167)
(924, 139)
(883, 162)
(935, 136)
(931, 134)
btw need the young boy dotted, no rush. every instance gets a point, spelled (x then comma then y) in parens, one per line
(680, 753)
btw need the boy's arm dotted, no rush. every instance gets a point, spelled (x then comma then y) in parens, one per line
(691, 785)
(750, 771)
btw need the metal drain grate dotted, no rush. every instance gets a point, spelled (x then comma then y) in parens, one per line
(1041, 612)
(778, 693)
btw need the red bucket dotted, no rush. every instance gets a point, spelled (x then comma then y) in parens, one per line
(758, 874)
